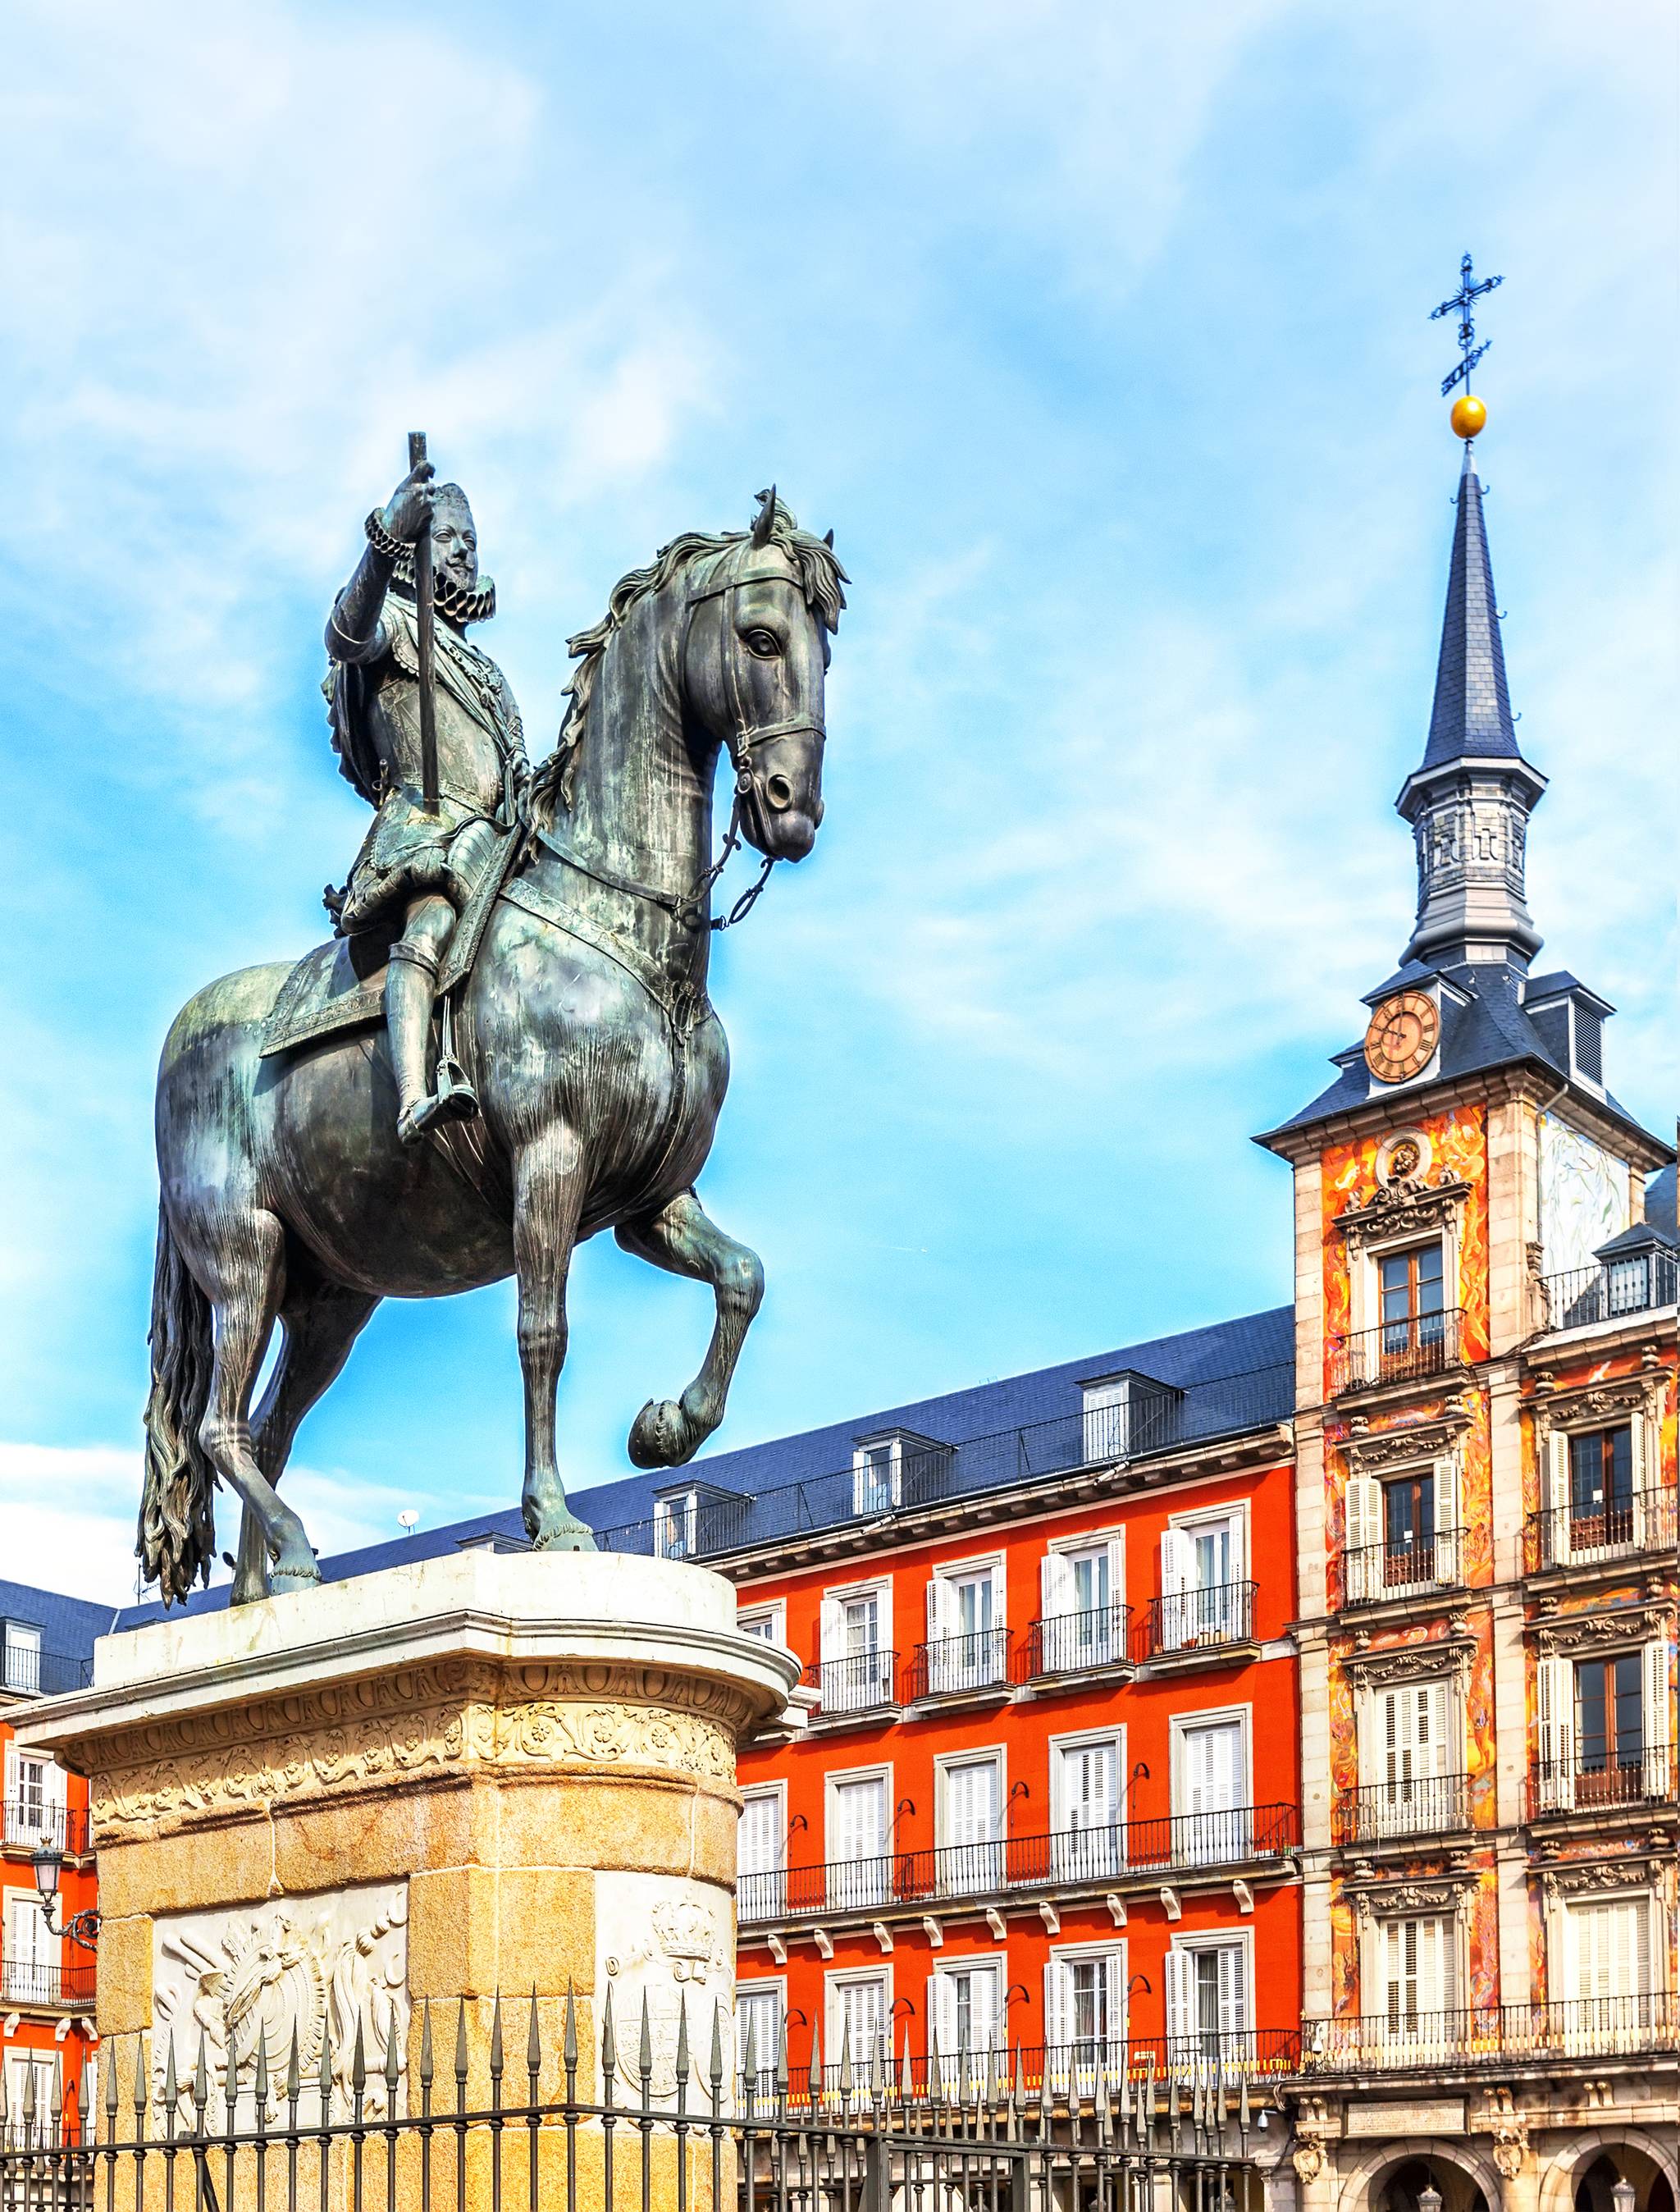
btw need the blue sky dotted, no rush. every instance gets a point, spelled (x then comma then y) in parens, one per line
(1099, 337)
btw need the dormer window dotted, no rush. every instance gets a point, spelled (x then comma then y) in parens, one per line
(21, 1656)
(1125, 1413)
(896, 1468)
(676, 1519)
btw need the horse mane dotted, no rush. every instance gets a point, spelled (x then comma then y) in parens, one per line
(821, 577)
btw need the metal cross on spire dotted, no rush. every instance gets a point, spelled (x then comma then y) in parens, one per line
(1461, 304)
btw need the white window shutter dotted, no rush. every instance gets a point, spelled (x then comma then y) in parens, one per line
(829, 1643)
(1116, 1571)
(1659, 1769)
(1180, 1996)
(1113, 1979)
(1178, 1625)
(1232, 1991)
(1053, 1582)
(14, 1795)
(1436, 1709)
(938, 1609)
(1554, 1732)
(1640, 1458)
(1557, 1496)
(999, 1595)
(1447, 1518)
(1055, 2005)
(1364, 1509)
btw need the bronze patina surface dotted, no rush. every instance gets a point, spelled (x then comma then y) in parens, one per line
(588, 1065)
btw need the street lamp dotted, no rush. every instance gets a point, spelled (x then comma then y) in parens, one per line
(82, 1928)
(1623, 2195)
(1428, 2199)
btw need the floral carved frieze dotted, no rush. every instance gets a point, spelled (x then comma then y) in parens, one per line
(1401, 1209)
(1554, 1633)
(1379, 1665)
(1379, 1900)
(1590, 1404)
(1368, 1451)
(457, 1717)
(1591, 1877)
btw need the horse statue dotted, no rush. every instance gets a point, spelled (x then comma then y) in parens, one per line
(584, 1026)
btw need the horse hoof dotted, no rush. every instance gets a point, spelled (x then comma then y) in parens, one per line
(284, 1580)
(566, 1536)
(660, 1435)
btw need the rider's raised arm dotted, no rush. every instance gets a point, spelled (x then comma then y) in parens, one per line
(354, 631)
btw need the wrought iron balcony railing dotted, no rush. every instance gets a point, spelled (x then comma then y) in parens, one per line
(28, 1823)
(1072, 1858)
(1600, 1781)
(1158, 2061)
(861, 1682)
(42, 1982)
(1616, 1528)
(28, 1672)
(1425, 1805)
(1374, 1573)
(1584, 1296)
(1407, 1351)
(1592, 2027)
(1077, 1643)
(1194, 1620)
(953, 1664)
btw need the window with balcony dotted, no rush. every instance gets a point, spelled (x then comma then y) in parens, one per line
(1414, 1967)
(875, 1478)
(859, 2006)
(1206, 1597)
(1412, 1300)
(1207, 1999)
(1084, 2007)
(21, 1656)
(768, 1623)
(895, 1468)
(1212, 1816)
(1602, 1730)
(1084, 1619)
(1088, 1844)
(856, 1661)
(35, 1802)
(970, 1822)
(676, 1518)
(1607, 1950)
(1411, 1768)
(965, 2009)
(760, 1855)
(29, 1969)
(759, 2009)
(1402, 1531)
(858, 1823)
(967, 1644)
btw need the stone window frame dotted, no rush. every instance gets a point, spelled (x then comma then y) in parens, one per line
(1370, 1671)
(1383, 1455)
(1400, 1217)
(1556, 1415)
(1655, 1880)
(1451, 1897)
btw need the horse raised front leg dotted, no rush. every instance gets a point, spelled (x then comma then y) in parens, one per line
(243, 1281)
(682, 1239)
(548, 1198)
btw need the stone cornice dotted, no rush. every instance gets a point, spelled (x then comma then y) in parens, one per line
(1400, 1209)
(1368, 1450)
(1593, 1877)
(1553, 1633)
(1379, 1666)
(1377, 1896)
(1618, 1398)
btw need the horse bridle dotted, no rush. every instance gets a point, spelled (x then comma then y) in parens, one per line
(742, 736)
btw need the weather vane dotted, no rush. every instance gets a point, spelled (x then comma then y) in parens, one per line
(1468, 412)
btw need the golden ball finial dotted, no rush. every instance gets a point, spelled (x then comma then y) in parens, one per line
(1469, 415)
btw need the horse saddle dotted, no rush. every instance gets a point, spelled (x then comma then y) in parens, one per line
(340, 986)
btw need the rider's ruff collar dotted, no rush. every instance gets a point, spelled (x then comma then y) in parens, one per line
(450, 600)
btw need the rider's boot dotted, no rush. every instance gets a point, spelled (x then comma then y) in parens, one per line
(410, 981)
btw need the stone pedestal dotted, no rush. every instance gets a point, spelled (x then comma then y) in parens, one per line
(333, 1811)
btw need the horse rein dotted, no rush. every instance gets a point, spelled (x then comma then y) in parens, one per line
(741, 739)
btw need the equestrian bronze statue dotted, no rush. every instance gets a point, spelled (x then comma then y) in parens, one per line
(542, 941)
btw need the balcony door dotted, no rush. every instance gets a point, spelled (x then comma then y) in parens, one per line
(1608, 1970)
(967, 2016)
(857, 2009)
(1213, 1821)
(858, 1868)
(973, 1856)
(857, 1665)
(32, 1952)
(1084, 2015)
(1207, 2007)
(1082, 1622)
(761, 1891)
(758, 2033)
(1204, 1593)
(1410, 1769)
(1609, 1729)
(964, 1612)
(1088, 1844)
(1411, 1294)
(1597, 1508)
(1415, 1978)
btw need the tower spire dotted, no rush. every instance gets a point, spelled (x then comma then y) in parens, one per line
(1469, 802)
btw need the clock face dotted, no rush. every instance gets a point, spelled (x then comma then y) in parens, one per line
(1404, 1033)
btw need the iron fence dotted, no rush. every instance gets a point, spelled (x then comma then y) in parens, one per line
(1569, 1536)
(1077, 1643)
(1417, 1805)
(1592, 1782)
(1193, 1620)
(1103, 2126)
(1405, 1351)
(31, 1821)
(1233, 1836)
(1374, 1573)
(27, 1671)
(1591, 2027)
(1583, 1295)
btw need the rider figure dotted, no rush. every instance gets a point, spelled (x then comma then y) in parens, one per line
(416, 869)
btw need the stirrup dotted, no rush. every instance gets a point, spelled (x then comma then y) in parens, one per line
(454, 1100)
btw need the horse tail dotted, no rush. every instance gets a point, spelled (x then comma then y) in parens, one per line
(177, 1535)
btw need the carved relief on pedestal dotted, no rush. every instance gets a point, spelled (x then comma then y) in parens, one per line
(1314, 2131)
(664, 1951)
(450, 1717)
(1509, 2130)
(307, 1973)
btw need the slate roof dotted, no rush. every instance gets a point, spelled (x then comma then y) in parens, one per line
(1471, 715)
(1659, 1204)
(68, 1626)
(1230, 1378)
